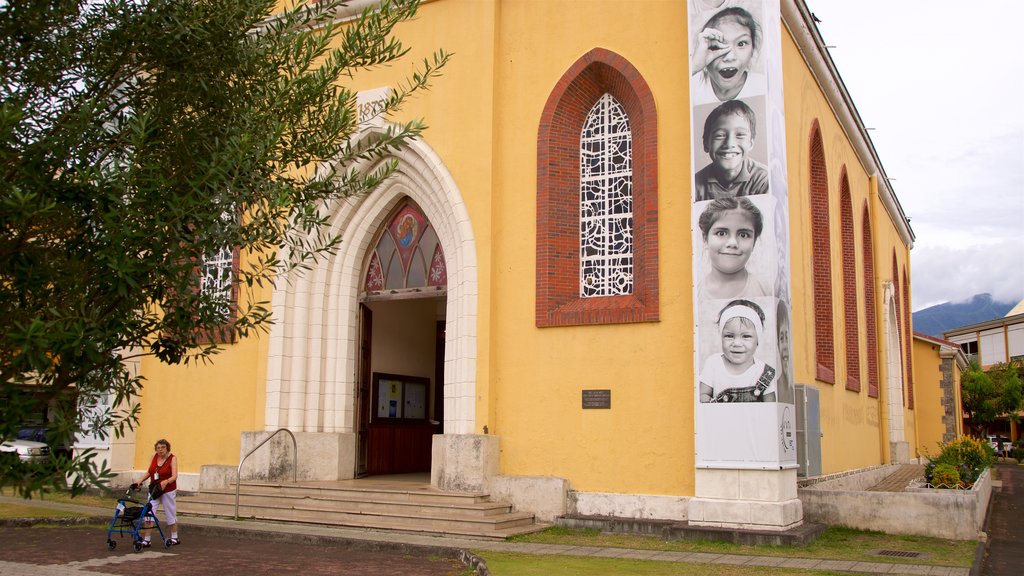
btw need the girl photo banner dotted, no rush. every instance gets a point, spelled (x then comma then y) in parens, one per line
(743, 387)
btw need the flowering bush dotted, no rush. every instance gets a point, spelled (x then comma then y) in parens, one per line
(945, 476)
(967, 457)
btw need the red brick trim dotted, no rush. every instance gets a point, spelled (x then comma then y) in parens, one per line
(821, 259)
(850, 300)
(870, 311)
(597, 72)
(908, 340)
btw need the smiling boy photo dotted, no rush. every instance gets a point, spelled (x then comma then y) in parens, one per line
(728, 139)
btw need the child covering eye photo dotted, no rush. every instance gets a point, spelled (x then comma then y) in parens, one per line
(726, 48)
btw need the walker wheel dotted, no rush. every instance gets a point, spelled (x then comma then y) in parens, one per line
(111, 544)
(168, 543)
(138, 546)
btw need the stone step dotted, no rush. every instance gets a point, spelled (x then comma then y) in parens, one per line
(369, 504)
(423, 509)
(349, 493)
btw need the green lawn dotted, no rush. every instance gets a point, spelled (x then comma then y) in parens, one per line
(509, 564)
(836, 543)
(25, 508)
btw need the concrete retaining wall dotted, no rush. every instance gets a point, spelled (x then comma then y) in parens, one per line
(953, 514)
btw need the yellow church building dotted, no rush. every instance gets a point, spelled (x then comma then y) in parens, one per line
(537, 304)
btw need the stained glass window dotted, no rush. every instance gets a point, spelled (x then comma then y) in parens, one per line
(606, 201)
(407, 255)
(217, 279)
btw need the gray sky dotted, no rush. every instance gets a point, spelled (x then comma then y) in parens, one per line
(941, 84)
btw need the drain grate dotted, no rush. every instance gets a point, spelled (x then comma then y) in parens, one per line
(898, 553)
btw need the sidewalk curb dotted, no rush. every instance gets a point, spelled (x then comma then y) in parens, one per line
(982, 548)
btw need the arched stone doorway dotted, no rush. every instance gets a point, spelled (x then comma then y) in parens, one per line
(313, 362)
(899, 448)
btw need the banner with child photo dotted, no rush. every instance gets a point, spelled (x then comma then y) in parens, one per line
(743, 386)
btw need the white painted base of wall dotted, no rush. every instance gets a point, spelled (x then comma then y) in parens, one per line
(636, 506)
(746, 499)
(188, 482)
(545, 496)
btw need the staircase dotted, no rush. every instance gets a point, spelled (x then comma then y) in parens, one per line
(384, 504)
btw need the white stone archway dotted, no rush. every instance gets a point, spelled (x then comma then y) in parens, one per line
(899, 448)
(313, 353)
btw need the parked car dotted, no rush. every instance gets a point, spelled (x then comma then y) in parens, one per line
(27, 450)
(994, 441)
(41, 433)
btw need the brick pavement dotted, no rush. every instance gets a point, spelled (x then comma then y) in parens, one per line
(900, 479)
(1005, 553)
(82, 551)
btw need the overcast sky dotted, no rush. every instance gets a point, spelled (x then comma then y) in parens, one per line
(942, 84)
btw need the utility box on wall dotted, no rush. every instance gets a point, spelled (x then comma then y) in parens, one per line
(808, 431)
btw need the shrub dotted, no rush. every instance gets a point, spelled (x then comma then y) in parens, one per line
(968, 457)
(945, 476)
(1018, 453)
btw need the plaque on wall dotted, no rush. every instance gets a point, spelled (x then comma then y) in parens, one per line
(596, 399)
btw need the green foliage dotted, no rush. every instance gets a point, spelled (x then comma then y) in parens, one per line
(945, 476)
(140, 137)
(990, 394)
(960, 463)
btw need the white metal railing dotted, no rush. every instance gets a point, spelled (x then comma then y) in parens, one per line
(295, 462)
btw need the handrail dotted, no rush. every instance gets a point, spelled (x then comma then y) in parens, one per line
(295, 460)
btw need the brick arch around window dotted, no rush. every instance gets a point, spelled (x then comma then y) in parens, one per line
(821, 258)
(559, 303)
(850, 300)
(870, 311)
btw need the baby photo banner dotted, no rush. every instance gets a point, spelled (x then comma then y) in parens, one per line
(743, 387)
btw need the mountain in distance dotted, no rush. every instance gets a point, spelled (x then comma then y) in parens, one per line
(937, 319)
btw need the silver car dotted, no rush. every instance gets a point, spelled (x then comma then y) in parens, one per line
(27, 450)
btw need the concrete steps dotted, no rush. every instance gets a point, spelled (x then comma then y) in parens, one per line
(415, 508)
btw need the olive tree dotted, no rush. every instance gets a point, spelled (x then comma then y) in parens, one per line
(137, 139)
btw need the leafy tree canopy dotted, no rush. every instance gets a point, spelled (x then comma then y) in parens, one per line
(137, 138)
(989, 394)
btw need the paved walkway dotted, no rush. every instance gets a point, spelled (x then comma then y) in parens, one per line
(203, 544)
(1005, 554)
(900, 479)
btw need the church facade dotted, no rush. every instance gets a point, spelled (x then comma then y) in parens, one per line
(532, 306)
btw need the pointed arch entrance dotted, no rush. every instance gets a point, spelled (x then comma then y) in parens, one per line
(315, 356)
(402, 317)
(899, 448)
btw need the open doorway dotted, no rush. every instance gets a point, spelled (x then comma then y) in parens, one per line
(402, 317)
